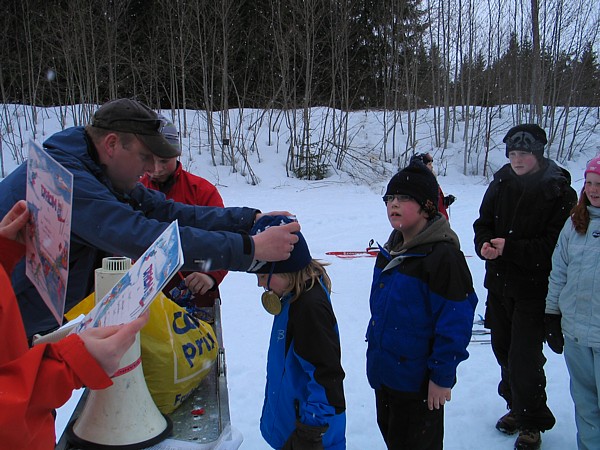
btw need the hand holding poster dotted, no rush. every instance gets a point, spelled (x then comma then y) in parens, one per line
(134, 292)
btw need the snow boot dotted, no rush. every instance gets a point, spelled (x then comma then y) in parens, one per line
(507, 424)
(528, 440)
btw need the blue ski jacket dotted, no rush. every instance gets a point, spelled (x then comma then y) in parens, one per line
(108, 223)
(422, 307)
(304, 372)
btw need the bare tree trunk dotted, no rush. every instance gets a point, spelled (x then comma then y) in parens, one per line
(445, 69)
(225, 126)
(458, 58)
(467, 79)
(340, 42)
(537, 84)
(206, 32)
(30, 69)
(435, 82)
(556, 82)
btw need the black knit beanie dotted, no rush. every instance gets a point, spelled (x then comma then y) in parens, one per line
(425, 158)
(527, 137)
(417, 181)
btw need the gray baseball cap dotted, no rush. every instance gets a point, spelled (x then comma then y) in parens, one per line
(170, 133)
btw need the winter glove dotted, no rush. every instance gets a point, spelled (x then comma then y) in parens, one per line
(553, 331)
(448, 200)
(306, 437)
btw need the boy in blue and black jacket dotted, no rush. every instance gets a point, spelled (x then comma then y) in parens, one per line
(422, 307)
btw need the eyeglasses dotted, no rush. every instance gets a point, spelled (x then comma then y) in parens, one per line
(400, 197)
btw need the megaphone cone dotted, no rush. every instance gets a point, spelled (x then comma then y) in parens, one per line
(123, 416)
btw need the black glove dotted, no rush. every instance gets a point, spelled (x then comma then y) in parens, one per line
(553, 331)
(306, 437)
(448, 200)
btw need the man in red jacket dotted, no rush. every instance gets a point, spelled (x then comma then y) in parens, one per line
(34, 382)
(181, 186)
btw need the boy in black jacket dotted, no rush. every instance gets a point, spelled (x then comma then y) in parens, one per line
(520, 217)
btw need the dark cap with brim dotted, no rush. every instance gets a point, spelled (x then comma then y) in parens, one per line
(299, 258)
(130, 116)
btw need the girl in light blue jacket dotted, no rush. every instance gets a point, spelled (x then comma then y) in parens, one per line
(573, 306)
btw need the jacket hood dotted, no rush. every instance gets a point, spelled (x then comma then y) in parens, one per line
(556, 174)
(73, 143)
(436, 230)
(593, 212)
(552, 177)
(549, 171)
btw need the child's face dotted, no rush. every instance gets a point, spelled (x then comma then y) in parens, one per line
(163, 168)
(592, 188)
(278, 283)
(406, 215)
(523, 162)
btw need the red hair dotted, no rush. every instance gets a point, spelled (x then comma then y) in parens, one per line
(580, 215)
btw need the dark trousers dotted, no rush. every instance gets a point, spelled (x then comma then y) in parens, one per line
(407, 423)
(517, 327)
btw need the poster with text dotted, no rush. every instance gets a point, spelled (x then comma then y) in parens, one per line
(134, 292)
(49, 200)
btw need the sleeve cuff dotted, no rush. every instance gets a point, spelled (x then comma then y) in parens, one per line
(247, 243)
(85, 366)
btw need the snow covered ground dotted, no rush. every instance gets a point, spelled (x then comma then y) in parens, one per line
(338, 214)
(341, 216)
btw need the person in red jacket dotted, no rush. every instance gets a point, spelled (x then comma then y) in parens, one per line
(181, 186)
(444, 201)
(34, 382)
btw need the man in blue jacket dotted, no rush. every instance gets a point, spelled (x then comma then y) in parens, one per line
(113, 214)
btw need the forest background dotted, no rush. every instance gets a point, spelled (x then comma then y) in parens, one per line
(272, 92)
(304, 66)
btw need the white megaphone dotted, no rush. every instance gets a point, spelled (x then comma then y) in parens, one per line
(123, 416)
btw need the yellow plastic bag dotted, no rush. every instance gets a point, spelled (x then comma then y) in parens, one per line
(178, 350)
(81, 308)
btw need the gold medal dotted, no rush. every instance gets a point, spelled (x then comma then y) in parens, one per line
(271, 302)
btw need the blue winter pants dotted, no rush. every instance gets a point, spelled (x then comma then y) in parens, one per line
(584, 368)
